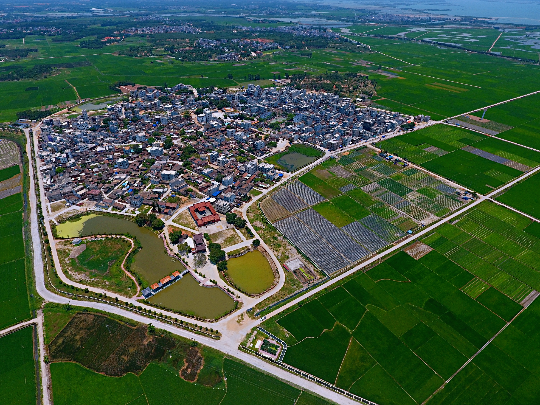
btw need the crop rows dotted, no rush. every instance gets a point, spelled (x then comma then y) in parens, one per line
(333, 235)
(390, 198)
(320, 252)
(340, 171)
(485, 155)
(305, 193)
(274, 211)
(382, 228)
(364, 236)
(288, 200)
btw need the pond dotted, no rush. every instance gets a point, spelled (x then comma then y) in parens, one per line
(91, 106)
(187, 296)
(251, 272)
(151, 262)
(294, 161)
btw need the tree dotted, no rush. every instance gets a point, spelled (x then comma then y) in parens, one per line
(157, 224)
(240, 223)
(151, 140)
(184, 248)
(175, 237)
(199, 260)
(168, 143)
(216, 253)
(141, 219)
(231, 217)
(256, 243)
(222, 266)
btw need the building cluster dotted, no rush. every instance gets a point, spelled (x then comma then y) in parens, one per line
(237, 49)
(161, 29)
(297, 30)
(161, 144)
(318, 118)
(163, 283)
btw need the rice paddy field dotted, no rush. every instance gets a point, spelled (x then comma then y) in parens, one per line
(396, 333)
(14, 305)
(521, 117)
(251, 272)
(347, 208)
(76, 385)
(440, 81)
(524, 196)
(467, 158)
(18, 373)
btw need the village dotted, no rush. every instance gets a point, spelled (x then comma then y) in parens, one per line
(158, 146)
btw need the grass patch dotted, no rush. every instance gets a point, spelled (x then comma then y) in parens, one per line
(294, 157)
(351, 207)
(327, 191)
(332, 213)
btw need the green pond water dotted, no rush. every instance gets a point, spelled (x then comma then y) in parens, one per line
(251, 272)
(151, 262)
(186, 295)
(293, 161)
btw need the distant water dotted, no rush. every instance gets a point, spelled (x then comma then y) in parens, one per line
(505, 11)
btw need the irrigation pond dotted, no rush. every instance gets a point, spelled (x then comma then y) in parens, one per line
(294, 161)
(251, 272)
(187, 296)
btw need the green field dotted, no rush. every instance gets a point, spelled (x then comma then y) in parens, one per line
(360, 183)
(75, 385)
(9, 172)
(396, 333)
(18, 372)
(442, 150)
(251, 272)
(14, 305)
(524, 196)
(335, 215)
(435, 80)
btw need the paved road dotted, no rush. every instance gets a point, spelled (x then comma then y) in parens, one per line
(15, 328)
(44, 367)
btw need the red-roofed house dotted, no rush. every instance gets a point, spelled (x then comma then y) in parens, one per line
(204, 214)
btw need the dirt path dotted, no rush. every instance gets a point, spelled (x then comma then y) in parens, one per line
(75, 90)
